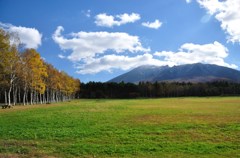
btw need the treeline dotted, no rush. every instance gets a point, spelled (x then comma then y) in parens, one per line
(158, 89)
(27, 79)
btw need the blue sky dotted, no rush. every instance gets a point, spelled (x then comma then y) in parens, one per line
(97, 40)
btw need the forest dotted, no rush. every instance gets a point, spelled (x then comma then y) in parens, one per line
(25, 78)
(158, 89)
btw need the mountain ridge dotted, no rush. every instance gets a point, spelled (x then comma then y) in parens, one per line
(197, 72)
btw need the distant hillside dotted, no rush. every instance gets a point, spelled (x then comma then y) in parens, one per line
(187, 73)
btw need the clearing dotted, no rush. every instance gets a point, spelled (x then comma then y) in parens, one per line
(169, 127)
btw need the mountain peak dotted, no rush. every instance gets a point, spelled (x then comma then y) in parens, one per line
(183, 73)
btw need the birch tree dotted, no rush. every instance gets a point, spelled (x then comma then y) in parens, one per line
(35, 74)
(9, 59)
(25, 77)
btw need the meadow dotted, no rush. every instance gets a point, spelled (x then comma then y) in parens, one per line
(168, 127)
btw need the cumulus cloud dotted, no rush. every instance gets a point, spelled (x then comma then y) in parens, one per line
(94, 52)
(110, 62)
(188, 1)
(109, 20)
(154, 25)
(89, 44)
(227, 13)
(29, 37)
(189, 53)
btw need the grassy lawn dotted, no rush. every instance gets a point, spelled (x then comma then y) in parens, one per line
(176, 127)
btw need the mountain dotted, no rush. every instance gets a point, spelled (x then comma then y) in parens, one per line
(184, 73)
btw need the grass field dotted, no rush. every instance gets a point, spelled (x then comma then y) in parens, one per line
(176, 127)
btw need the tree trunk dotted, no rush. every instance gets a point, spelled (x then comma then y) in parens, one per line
(24, 97)
(9, 95)
(31, 99)
(37, 97)
(24, 94)
(40, 95)
(6, 100)
(47, 95)
(44, 98)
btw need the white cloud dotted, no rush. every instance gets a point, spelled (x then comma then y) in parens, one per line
(188, 1)
(89, 44)
(94, 52)
(109, 20)
(61, 56)
(189, 53)
(87, 13)
(110, 62)
(228, 13)
(154, 25)
(30, 37)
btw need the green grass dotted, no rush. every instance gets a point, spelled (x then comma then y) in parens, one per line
(175, 127)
